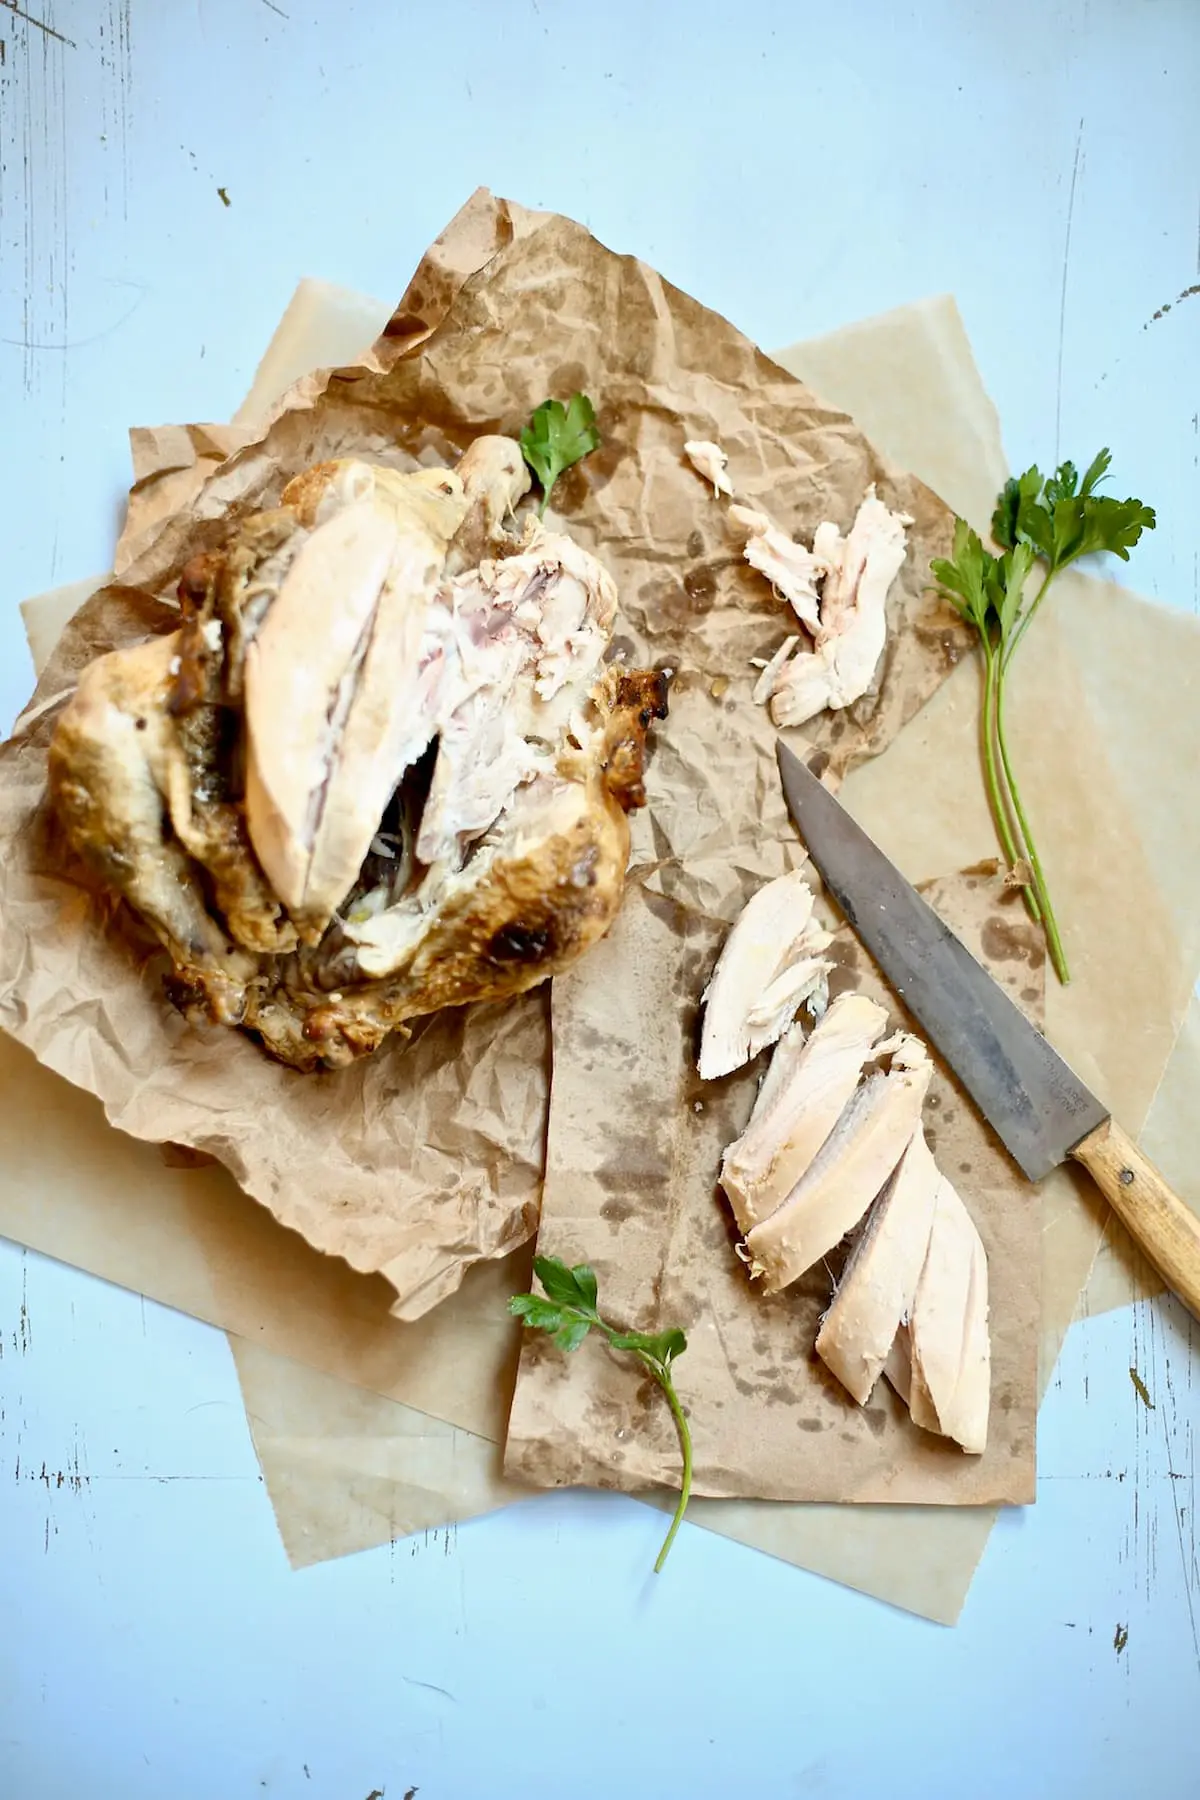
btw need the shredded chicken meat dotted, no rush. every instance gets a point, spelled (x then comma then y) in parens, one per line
(710, 461)
(838, 589)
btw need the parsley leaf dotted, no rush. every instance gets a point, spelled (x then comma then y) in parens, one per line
(542, 1315)
(556, 437)
(1010, 518)
(570, 1287)
(965, 580)
(1039, 520)
(568, 1312)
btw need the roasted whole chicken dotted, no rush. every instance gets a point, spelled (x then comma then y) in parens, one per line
(380, 769)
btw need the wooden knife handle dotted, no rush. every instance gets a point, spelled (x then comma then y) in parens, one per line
(1166, 1229)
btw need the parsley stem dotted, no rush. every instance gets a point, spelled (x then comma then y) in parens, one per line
(1058, 956)
(685, 1444)
(1009, 650)
(996, 794)
(1049, 923)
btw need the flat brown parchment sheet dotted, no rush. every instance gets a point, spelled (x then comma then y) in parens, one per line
(640, 1205)
(910, 372)
(424, 1159)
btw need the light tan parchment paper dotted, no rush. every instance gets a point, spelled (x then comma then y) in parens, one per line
(184, 1237)
(426, 1158)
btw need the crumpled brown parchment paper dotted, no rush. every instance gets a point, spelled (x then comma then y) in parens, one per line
(426, 1158)
(106, 1202)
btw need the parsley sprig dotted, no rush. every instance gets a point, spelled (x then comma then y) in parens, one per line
(1040, 521)
(568, 1312)
(556, 437)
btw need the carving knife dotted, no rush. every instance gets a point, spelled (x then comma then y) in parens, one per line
(1036, 1104)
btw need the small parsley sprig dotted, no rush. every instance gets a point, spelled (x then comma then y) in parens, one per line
(568, 1312)
(556, 437)
(1048, 522)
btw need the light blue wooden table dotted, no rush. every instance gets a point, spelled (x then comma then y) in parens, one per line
(795, 166)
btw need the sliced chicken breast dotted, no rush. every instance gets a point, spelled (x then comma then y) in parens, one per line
(847, 1173)
(803, 983)
(779, 1071)
(879, 1283)
(897, 1366)
(797, 1110)
(327, 737)
(948, 1330)
(774, 931)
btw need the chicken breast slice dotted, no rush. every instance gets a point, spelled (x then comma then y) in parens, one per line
(390, 722)
(792, 570)
(879, 1283)
(780, 1069)
(847, 1173)
(768, 936)
(949, 1341)
(897, 1366)
(796, 1112)
(852, 629)
(292, 696)
(803, 983)
(328, 736)
(710, 461)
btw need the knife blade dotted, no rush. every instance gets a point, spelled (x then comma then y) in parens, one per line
(1036, 1104)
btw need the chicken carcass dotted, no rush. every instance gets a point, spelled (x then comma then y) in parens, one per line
(852, 629)
(379, 769)
(807, 1088)
(769, 966)
(847, 1172)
